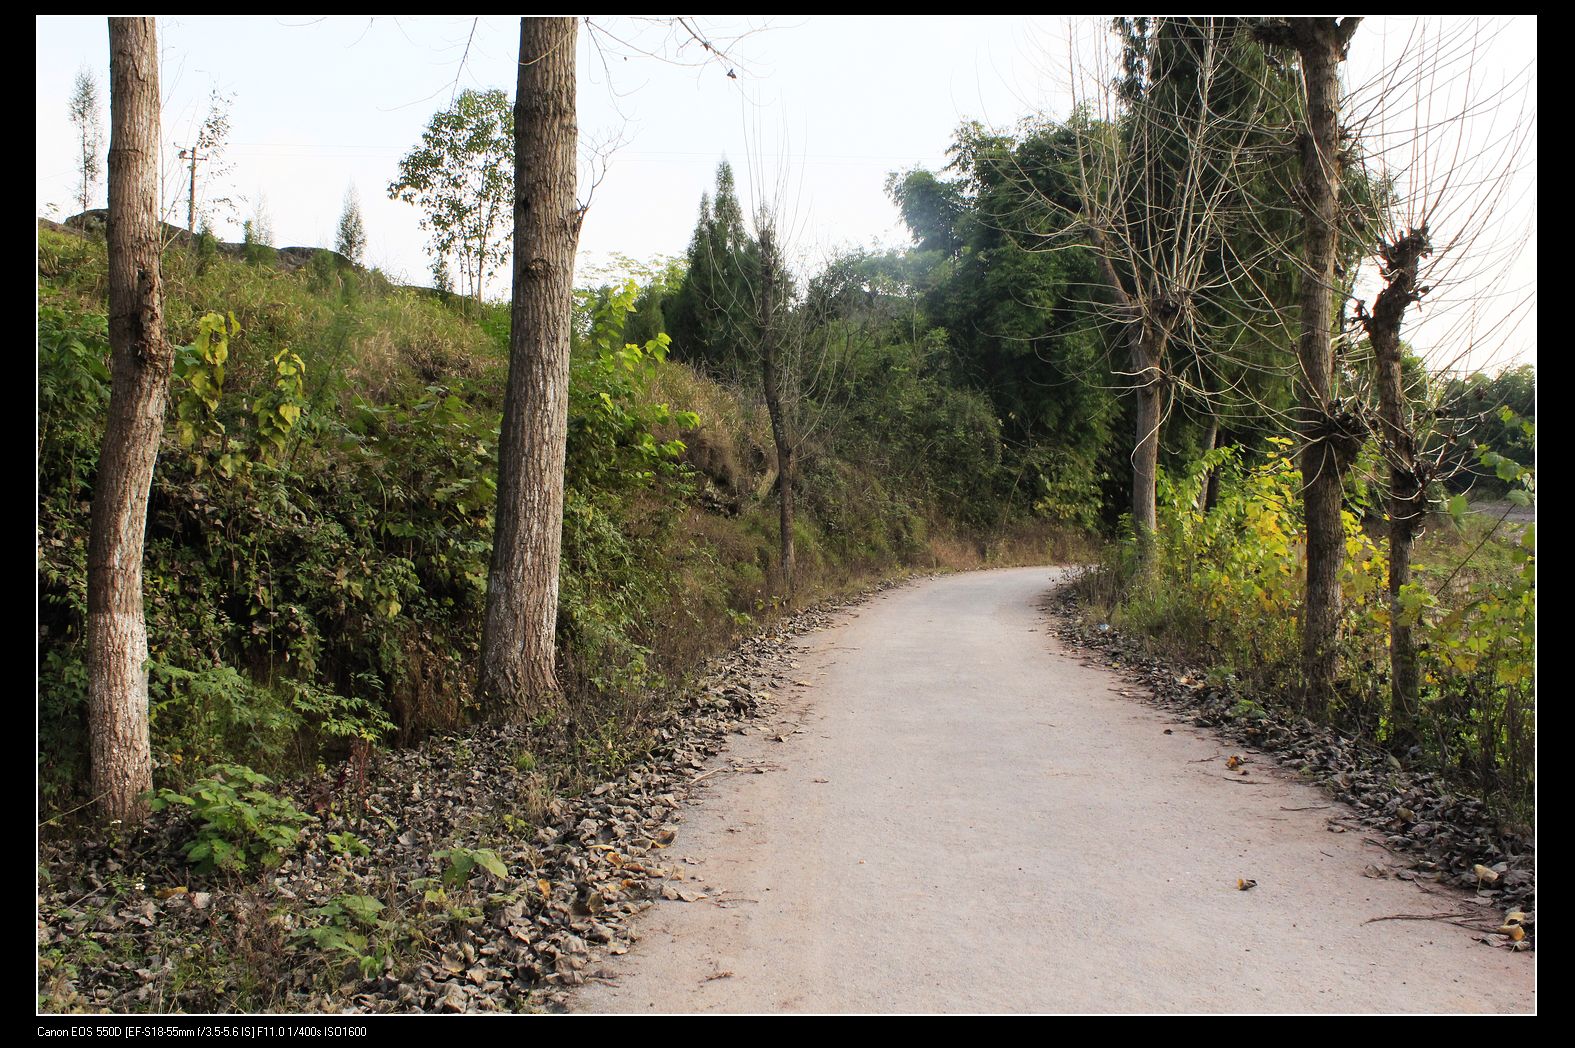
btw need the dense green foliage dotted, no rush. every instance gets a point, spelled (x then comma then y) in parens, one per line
(319, 527)
(320, 524)
(305, 584)
(1014, 326)
(239, 820)
(461, 176)
(1472, 409)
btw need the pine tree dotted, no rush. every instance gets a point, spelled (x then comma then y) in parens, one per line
(90, 130)
(351, 241)
(713, 321)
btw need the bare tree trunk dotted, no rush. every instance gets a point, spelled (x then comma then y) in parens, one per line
(117, 638)
(1407, 503)
(1149, 338)
(1145, 445)
(771, 380)
(1206, 490)
(1321, 43)
(787, 470)
(518, 666)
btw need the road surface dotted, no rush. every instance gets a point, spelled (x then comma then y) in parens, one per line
(965, 818)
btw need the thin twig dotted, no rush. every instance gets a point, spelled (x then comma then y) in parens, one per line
(1382, 845)
(1447, 918)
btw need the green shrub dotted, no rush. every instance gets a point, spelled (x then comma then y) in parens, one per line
(342, 929)
(239, 821)
(460, 862)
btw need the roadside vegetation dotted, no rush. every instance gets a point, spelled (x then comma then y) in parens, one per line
(318, 541)
(319, 529)
(1226, 596)
(1269, 484)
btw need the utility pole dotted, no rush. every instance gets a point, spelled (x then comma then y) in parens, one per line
(191, 199)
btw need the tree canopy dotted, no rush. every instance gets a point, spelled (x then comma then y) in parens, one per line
(461, 176)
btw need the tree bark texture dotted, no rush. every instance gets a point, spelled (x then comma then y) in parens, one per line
(117, 637)
(1321, 42)
(518, 666)
(1147, 353)
(781, 430)
(1407, 501)
(1149, 322)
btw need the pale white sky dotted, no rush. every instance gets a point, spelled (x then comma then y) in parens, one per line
(821, 111)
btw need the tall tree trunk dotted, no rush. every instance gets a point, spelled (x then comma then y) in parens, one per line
(518, 666)
(1206, 490)
(1321, 42)
(781, 431)
(1147, 353)
(1407, 502)
(1149, 321)
(117, 637)
(787, 471)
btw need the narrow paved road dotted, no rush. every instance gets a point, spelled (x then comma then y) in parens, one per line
(969, 819)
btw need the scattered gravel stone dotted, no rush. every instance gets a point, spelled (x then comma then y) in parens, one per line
(581, 856)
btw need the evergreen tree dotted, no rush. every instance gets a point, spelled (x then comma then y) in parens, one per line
(90, 131)
(713, 321)
(351, 239)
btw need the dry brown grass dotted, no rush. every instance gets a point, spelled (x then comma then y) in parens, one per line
(732, 445)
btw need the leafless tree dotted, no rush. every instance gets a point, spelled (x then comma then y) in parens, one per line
(800, 354)
(1330, 441)
(1165, 133)
(1448, 146)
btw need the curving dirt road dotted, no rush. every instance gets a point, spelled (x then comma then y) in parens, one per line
(963, 818)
